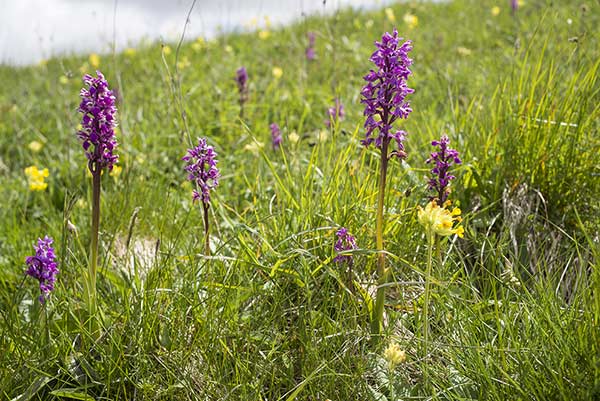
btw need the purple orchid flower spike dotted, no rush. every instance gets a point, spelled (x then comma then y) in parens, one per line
(43, 266)
(275, 136)
(345, 242)
(440, 179)
(98, 124)
(384, 95)
(202, 170)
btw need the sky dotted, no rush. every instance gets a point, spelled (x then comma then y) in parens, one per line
(33, 30)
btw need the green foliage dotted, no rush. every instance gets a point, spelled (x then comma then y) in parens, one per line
(515, 308)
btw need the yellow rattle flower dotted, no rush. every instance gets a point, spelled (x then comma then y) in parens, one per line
(439, 220)
(36, 178)
(394, 355)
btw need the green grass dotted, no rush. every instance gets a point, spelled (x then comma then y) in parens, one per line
(515, 310)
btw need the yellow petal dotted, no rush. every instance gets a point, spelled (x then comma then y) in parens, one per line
(94, 60)
(460, 231)
(277, 72)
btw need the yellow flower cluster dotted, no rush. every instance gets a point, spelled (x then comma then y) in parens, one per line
(116, 171)
(277, 72)
(183, 63)
(264, 34)
(411, 20)
(35, 146)
(394, 355)
(94, 60)
(389, 13)
(36, 178)
(199, 44)
(439, 220)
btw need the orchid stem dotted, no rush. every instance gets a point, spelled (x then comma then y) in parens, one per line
(382, 271)
(93, 262)
(205, 207)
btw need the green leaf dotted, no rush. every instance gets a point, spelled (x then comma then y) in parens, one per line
(73, 393)
(33, 389)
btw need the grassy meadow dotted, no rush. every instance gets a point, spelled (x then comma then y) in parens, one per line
(515, 305)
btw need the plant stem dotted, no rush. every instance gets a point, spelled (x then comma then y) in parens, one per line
(425, 324)
(205, 207)
(382, 271)
(438, 252)
(93, 264)
(44, 320)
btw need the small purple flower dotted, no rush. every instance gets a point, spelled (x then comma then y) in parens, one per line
(202, 170)
(335, 112)
(514, 5)
(43, 267)
(275, 136)
(345, 242)
(241, 78)
(310, 50)
(98, 123)
(384, 95)
(440, 177)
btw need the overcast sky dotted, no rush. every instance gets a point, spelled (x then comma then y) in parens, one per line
(32, 30)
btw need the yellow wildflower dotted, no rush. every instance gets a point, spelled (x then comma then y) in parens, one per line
(411, 20)
(228, 49)
(495, 11)
(439, 220)
(130, 51)
(36, 178)
(394, 355)
(323, 135)
(166, 49)
(254, 147)
(293, 137)
(389, 13)
(264, 34)
(463, 51)
(43, 62)
(369, 24)
(253, 23)
(116, 171)
(277, 72)
(183, 63)
(63, 79)
(35, 146)
(198, 44)
(94, 60)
